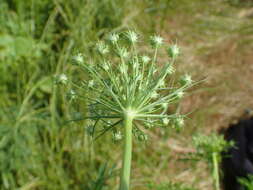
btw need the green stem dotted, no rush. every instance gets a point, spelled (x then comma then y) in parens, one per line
(126, 166)
(216, 171)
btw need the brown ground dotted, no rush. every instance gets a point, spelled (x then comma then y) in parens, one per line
(225, 60)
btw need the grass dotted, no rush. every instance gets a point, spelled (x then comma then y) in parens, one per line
(40, 150)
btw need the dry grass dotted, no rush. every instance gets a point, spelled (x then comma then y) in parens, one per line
(220, 53)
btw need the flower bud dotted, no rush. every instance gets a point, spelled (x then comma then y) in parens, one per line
(106, 67)
(62, 79)
(165, 121)
(145, 59)
(142, 137)
(178, 123)
(165, 105)
(132, 36)
(117, 136)
(78, 58)
(102, 48)
(173, 51)
(186, 80)
(148, 125)
(72, 95)
(91, 83)
(179, 94)
(156, 41)
(114, 38)
(154, 95)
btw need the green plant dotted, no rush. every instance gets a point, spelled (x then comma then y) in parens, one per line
(209, 148)
(247, 182)
(99, 183)
(126, 86)
(36, 38)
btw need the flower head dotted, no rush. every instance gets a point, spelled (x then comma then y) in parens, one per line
(72, 95)
(166, 121)
(186, 80)
(173, 51)
(78, 58)
(165, 105)
(212, 143)
(117, 136)
(142, 137)
(102, 48)
(131, 84)
(179, 94)
(178, 122)
(145, 59)
(154, 95)
(62, 79)
(132, 36)
(156, 41)
(91, 83)
(114, 38)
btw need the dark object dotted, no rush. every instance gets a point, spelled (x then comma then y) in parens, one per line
(238, 161)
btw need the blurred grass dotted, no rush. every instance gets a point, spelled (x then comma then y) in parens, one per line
(38, 149)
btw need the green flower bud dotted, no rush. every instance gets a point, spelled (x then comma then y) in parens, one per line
(114, 38)
(173, 51)
(186, 80)
(132, 36)
(165, 121)
(178, 123)
(154, 95)
(72, 95)
(117, 136)
(149, 123)
(91, 83)
(61, 79)
(78, 58)
(156, 41)
(142, 137)
(179, 94)
(106, 67)
(102, 48)
(145, 59)
(165, 105)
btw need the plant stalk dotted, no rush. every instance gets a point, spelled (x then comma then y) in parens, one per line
(216, 171)
(127, 155)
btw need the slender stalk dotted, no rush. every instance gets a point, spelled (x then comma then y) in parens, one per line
(216, 171)
(127, 156)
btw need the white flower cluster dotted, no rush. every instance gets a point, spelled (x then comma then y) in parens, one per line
(121, 79)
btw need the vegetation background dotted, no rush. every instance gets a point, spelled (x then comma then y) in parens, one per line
(39, 150)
